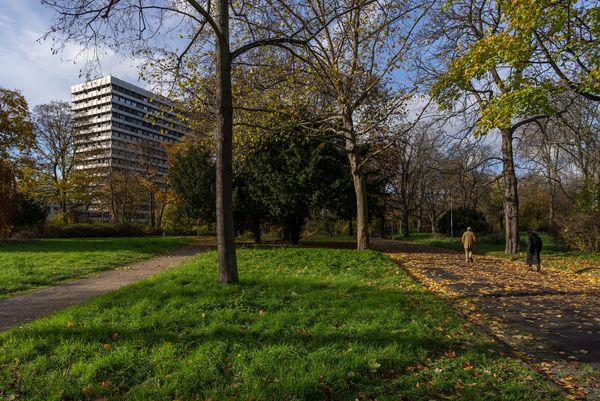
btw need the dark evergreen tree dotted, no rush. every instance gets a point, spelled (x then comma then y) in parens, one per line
(192, 177)
(461, 219)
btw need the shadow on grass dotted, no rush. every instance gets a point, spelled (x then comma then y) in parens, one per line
(249, 333)
(137, 244)
(327, 333)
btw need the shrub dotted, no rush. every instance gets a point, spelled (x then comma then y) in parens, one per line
(463, 218)
(30, 213)
(87, 230)
(582, 232)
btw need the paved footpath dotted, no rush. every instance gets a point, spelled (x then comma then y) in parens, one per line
(551, 319)
(32, 305)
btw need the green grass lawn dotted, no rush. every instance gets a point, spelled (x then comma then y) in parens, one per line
(29, 264)
(554, 254)
(338, 238)
(304, 324)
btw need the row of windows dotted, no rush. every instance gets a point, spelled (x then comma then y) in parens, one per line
(92, 141)
(137, 138)
(153, 149)
(136, 112)
(133, 103)
(125, 162)
(82, 126)
(102, 160)
(90, 156)
(136, 157)
(131, 164)
(144, 124)
(92, 124)
(130, 93)
(80, 113)
(91, 90)
(102, 99)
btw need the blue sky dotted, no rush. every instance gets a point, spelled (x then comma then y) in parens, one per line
(28, 65)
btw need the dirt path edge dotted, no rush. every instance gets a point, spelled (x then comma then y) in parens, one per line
(24, 308)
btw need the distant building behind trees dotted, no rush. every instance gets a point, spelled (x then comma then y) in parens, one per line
(121, 132)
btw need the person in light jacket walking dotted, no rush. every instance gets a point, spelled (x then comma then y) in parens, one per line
(468, 240)
(534, 248)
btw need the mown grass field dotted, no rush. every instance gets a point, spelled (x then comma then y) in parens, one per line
(304, 324)
(30, 264)
(554, 254)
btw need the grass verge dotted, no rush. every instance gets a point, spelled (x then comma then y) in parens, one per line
(31, 264)
(304, 324)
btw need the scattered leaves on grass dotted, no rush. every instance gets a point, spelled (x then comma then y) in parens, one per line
(495, 293)
(373, 366)
(450, 354)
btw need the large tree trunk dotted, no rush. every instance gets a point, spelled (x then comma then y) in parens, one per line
(362, 210)
(381, 226)
(160, 214)
(362, 214)
(404, 223)
(360, 186)
(152, 210)
(228, 272)
(295, 229)
(511, 199)
(419, 220)
(432, 220)
(256, 231)
(63, 208)
(551, 208)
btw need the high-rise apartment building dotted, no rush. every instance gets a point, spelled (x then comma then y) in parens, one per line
(118, 124)
(122, 128)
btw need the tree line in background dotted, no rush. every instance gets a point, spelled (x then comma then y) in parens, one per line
(41, 179)
(284, 180)
(406, 92)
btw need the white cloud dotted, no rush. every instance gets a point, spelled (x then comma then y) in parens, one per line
(28, 64)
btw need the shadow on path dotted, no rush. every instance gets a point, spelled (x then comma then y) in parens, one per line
(548, 316)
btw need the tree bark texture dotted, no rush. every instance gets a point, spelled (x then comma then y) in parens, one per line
(551, 208)
(404, 223)
(511, 199)
(256, 231)
(362, 213)
(228, 272)
(360, 186)
(381, 226)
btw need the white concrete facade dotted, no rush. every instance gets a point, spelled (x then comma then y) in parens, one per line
(122, 127)
(117, 123)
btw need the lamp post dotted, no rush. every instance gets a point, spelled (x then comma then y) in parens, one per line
(451, 220)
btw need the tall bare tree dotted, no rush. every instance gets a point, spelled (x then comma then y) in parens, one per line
(16, 140)
(225, 29)
(55, 154)
(500, 86)
(16, 130)
(409, 161)
(352, 65)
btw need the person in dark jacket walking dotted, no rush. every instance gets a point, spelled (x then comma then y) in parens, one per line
(534, 247)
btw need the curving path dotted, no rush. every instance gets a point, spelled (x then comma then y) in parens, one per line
(550, 319)
(32, 305)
